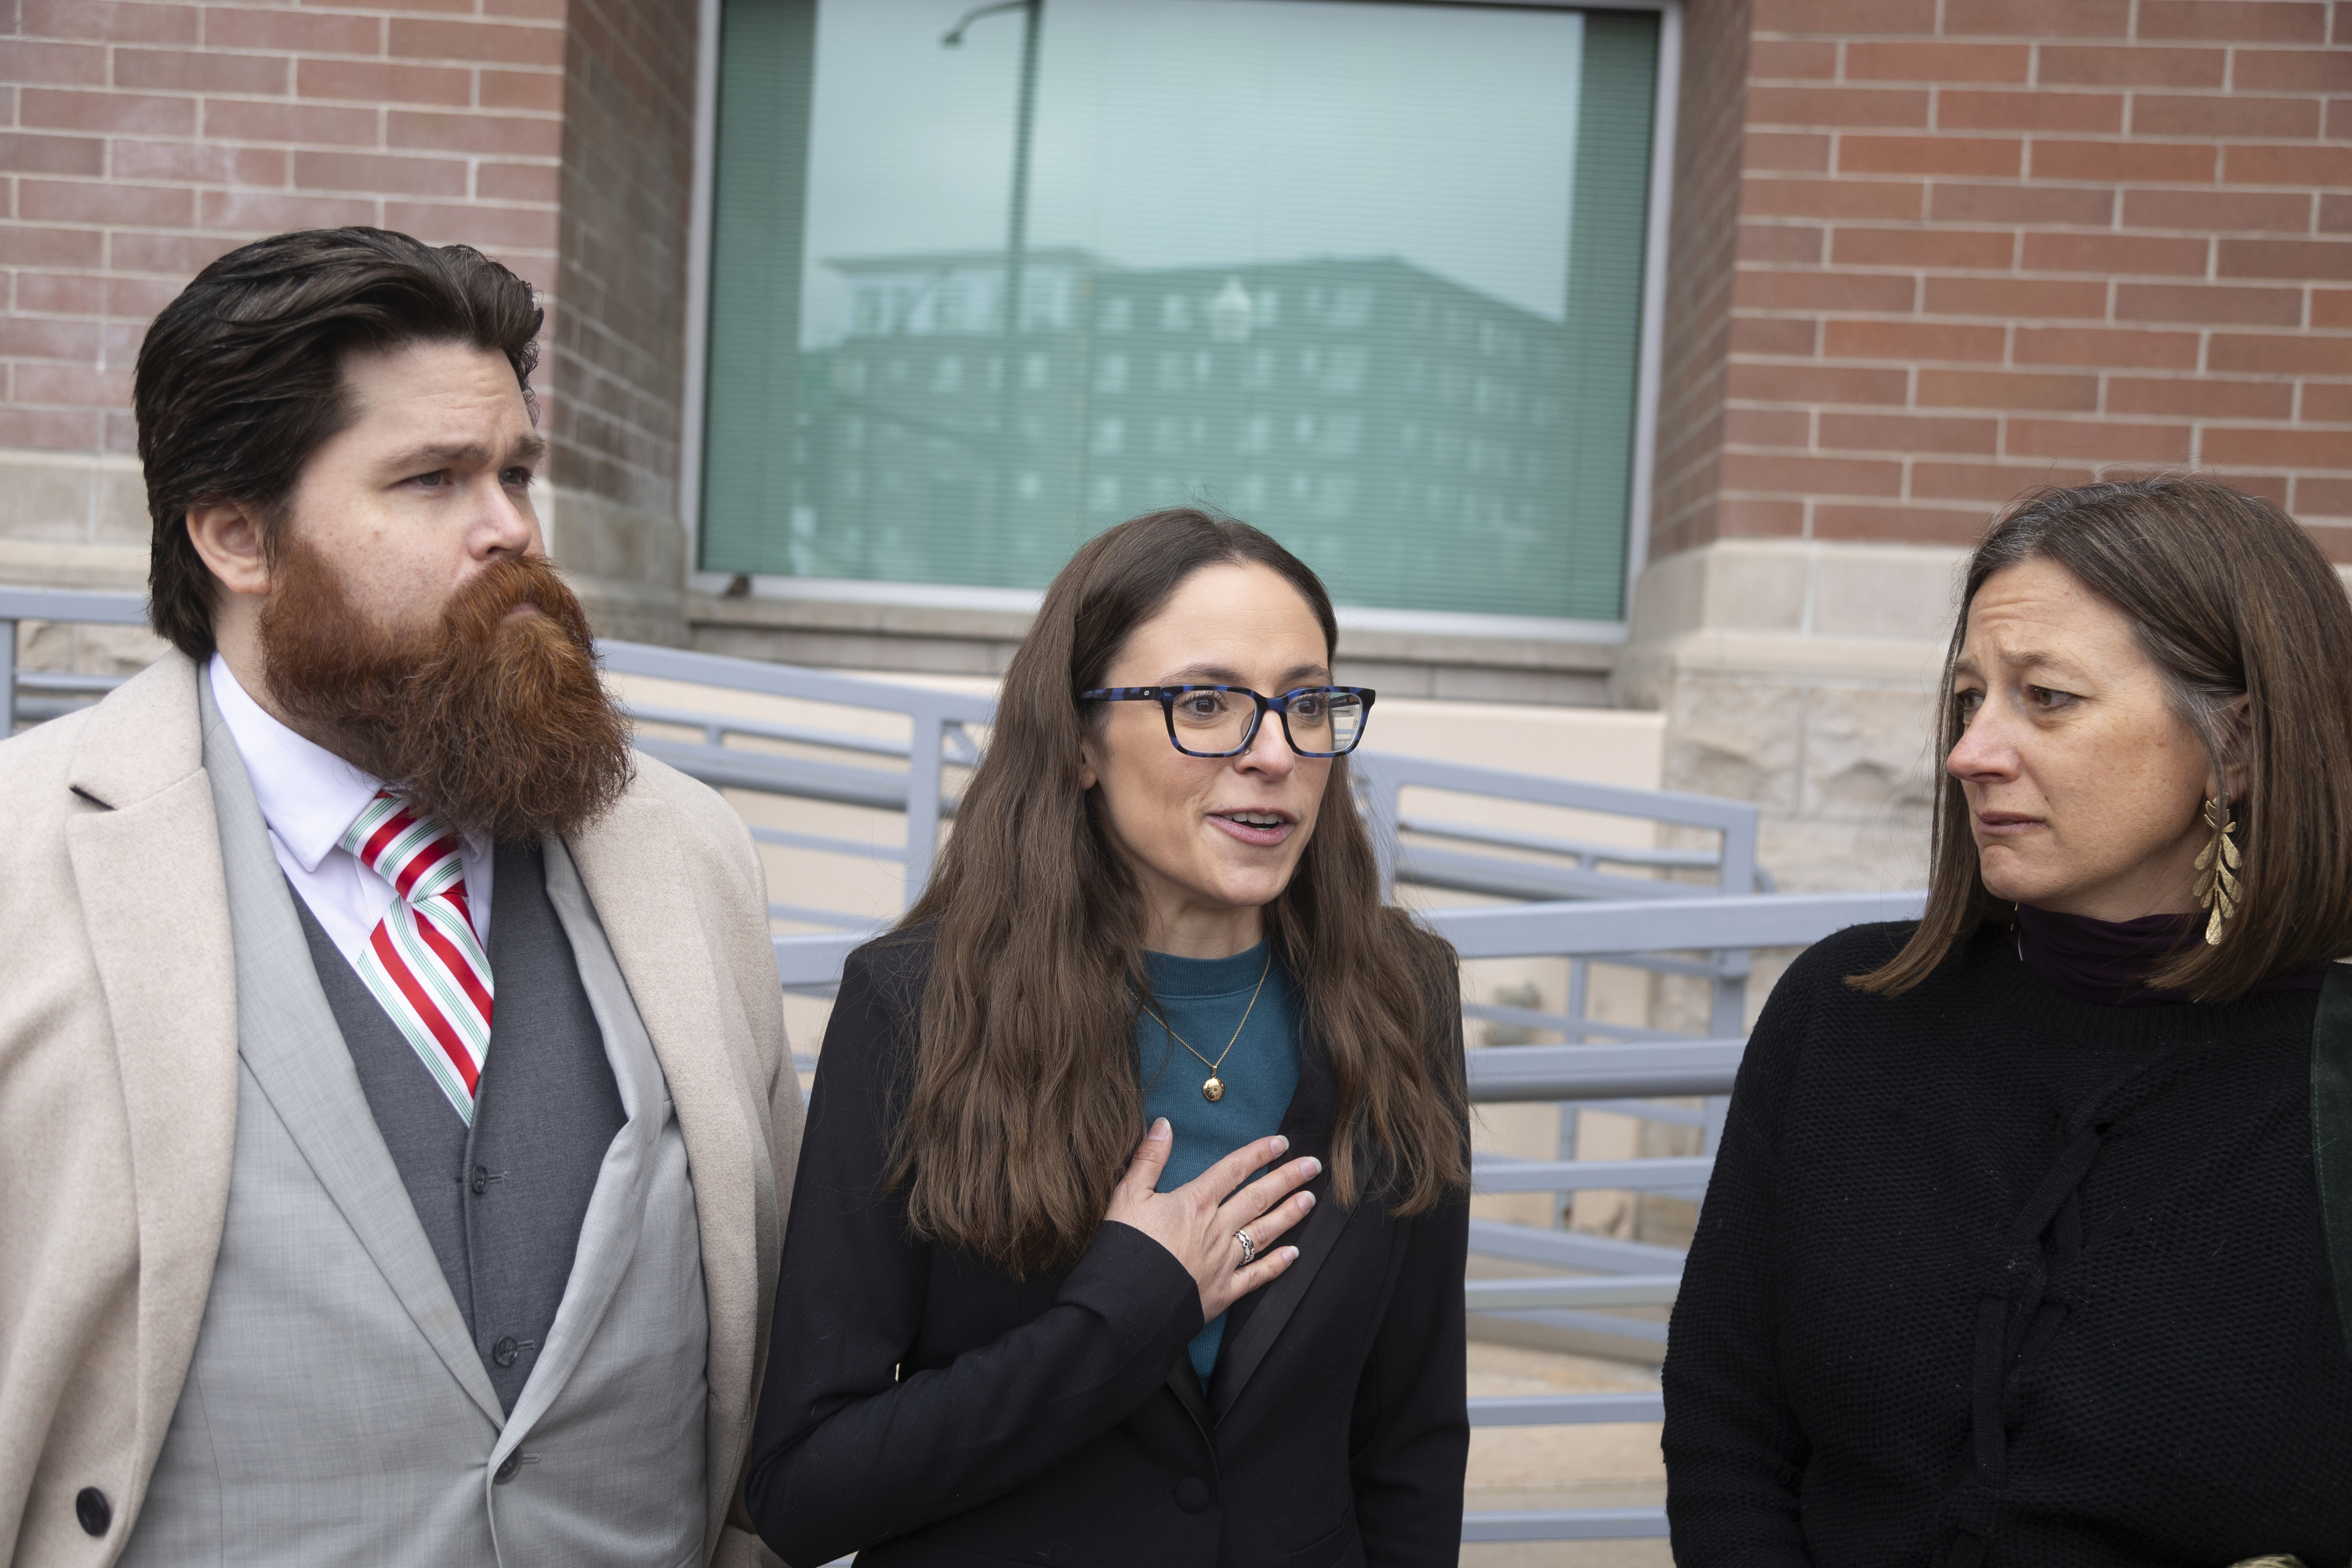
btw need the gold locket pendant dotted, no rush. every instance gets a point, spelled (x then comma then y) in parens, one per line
(1214, 1089)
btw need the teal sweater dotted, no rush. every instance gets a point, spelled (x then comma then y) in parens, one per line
(1202, 1000)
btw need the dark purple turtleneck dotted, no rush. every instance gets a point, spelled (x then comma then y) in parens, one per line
(2108, 962)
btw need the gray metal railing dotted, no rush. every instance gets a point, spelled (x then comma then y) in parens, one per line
(1683, 909)
(940, 726)
(30, 696)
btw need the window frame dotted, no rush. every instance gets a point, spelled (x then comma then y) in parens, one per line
(1641, 489)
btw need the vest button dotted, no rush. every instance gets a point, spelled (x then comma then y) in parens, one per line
(1192, 1494)
(481, 1184)
(507, 1467)
(503, 1353)
(95, 1512)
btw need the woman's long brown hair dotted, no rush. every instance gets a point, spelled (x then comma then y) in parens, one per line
(1027, 1099)
(2229, 598)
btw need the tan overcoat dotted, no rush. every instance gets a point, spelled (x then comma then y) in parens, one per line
(118, 1089)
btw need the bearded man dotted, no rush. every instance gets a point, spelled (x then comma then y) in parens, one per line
(343, 1223)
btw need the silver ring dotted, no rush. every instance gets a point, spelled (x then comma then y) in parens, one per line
(1249, 1248)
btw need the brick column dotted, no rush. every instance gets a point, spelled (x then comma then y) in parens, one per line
(617, 357)
(1981, 246)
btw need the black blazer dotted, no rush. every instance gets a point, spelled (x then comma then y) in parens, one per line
(925, 1408)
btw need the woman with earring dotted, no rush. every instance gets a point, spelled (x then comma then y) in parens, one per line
(1133, 1202)
(2014, 1251)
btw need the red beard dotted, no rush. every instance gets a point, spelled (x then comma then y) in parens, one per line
(501, 727)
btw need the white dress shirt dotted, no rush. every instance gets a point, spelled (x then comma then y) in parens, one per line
(310, 797)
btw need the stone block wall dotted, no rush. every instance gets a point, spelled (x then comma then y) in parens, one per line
(1798, 676)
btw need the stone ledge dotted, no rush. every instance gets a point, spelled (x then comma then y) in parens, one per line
(1566, 656)
(1782, 657)
(106, 568)
(762, 613)
(874, 632)
(72, 498)
(1824, 588)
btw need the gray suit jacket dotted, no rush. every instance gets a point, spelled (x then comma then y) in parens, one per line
(119, 1076)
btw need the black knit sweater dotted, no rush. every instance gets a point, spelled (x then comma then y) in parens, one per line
(1987, 1275)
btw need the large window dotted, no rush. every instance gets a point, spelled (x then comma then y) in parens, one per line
(1367, 275)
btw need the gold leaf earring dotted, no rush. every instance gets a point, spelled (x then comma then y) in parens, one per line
(2217, 869)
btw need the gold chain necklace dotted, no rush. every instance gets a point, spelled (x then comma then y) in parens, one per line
(1214, 1089)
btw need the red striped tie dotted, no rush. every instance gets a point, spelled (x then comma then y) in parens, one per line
(423, 961)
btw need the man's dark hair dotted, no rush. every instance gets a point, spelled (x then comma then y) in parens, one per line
(240, 379)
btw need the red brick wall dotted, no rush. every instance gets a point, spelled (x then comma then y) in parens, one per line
(139, 139)
(1989, 243)
(1703, 249)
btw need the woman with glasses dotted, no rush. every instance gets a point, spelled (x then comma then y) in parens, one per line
(1133, 1202)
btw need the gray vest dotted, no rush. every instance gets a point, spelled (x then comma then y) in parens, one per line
(501, 1201)
(346, 1401)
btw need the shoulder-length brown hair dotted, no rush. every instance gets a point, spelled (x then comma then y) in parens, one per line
(2230, 598)
(1028, 1097)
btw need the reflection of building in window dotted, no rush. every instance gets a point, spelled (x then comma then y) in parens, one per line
(1379, 417)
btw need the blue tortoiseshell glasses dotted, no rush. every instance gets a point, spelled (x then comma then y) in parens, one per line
(1223, 720)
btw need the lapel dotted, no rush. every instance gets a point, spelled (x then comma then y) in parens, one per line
(147, 876)
(630, 864)
(1257, 1319)
(1185, 1384)
(288, 1040)
(616, 1209)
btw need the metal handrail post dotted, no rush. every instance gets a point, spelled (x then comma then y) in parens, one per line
(923, 769)
(20, 604)
(1728, 1001)
(1384, 808)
